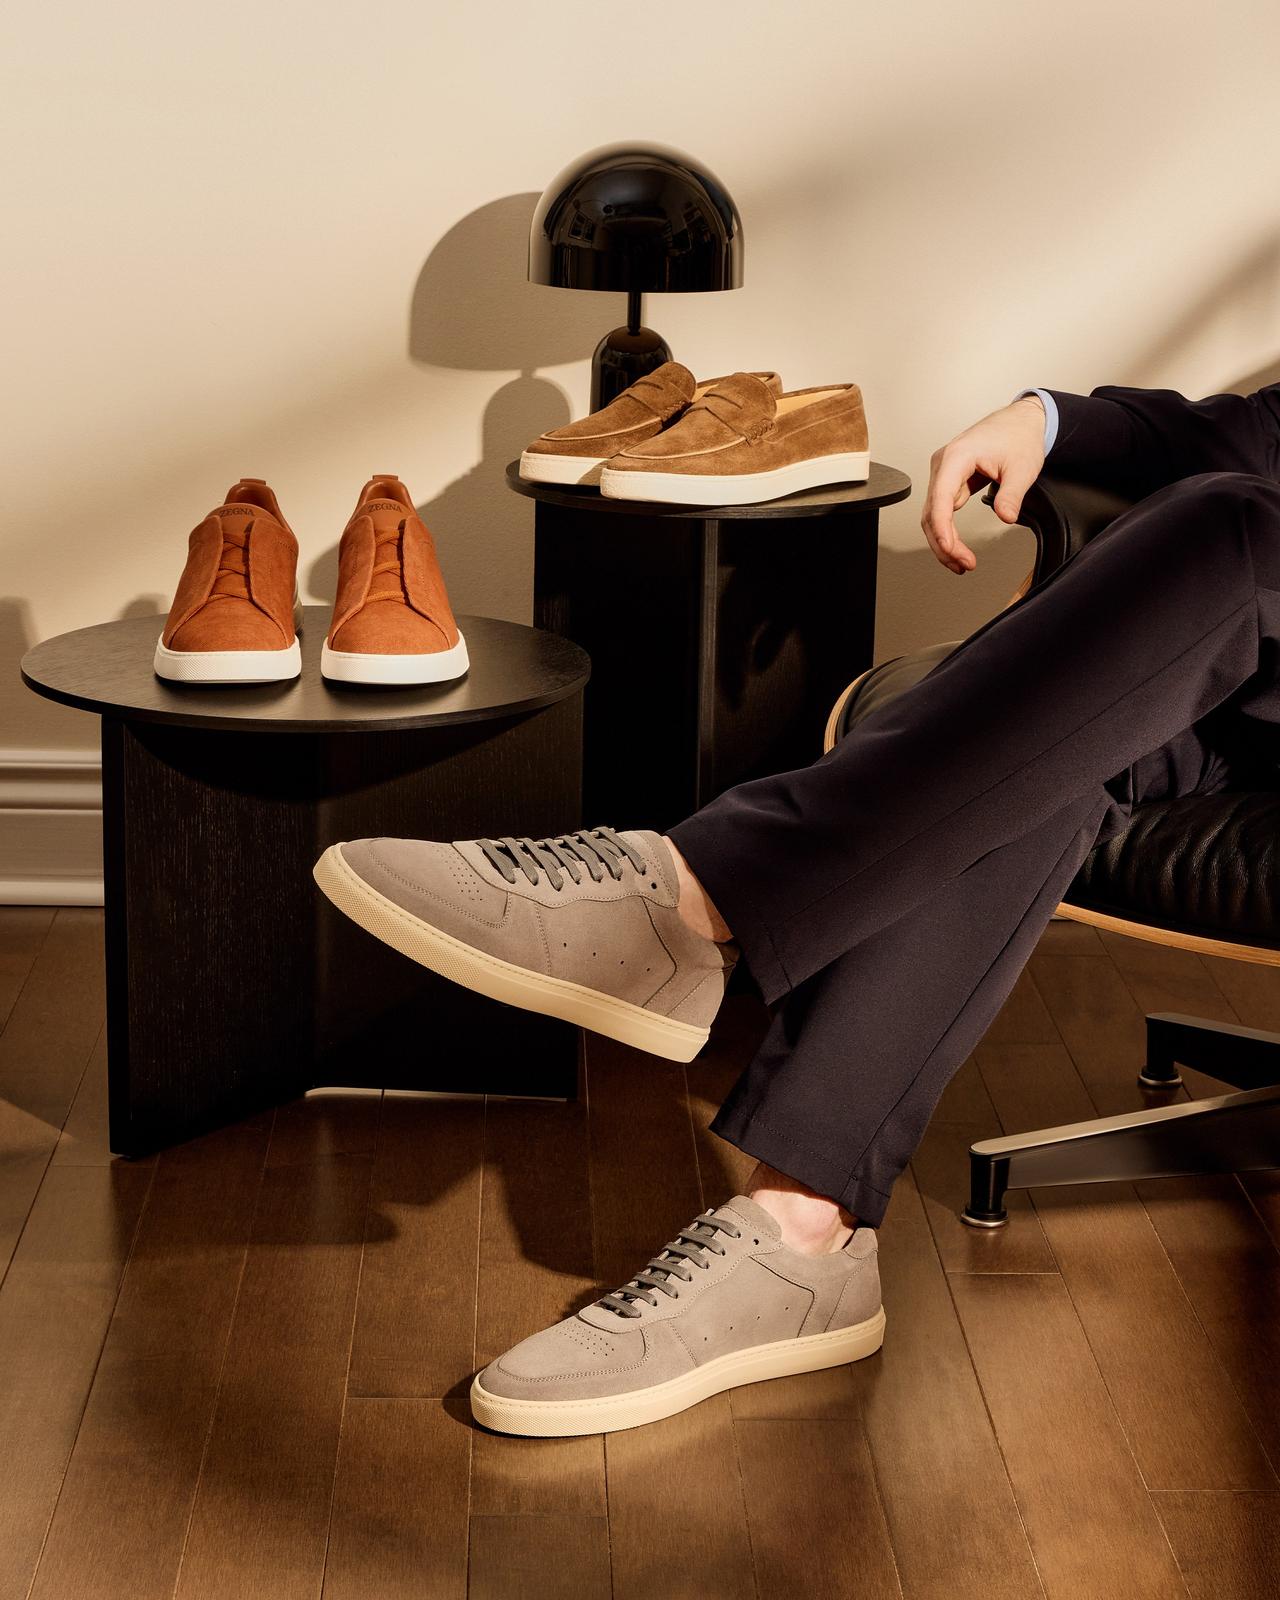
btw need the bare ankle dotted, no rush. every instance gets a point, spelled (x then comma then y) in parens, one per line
(695, 905)
(811, 1223)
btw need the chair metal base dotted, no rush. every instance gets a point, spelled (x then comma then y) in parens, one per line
(1225, 1133)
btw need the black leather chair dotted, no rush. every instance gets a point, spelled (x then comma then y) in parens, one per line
(1201, 873)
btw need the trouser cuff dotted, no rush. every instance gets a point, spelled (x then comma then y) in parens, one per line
(701, 841)
(815, 1170)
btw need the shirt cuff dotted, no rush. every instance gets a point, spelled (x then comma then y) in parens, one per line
(1050, 414)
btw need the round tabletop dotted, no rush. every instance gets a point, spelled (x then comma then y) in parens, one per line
(885, 487)
(108, 669)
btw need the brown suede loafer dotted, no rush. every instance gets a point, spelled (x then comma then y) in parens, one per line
(575, 454)
(739, 443)
(392, 622)
(233, 618)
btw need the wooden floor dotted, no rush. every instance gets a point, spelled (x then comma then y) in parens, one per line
(239, 1370)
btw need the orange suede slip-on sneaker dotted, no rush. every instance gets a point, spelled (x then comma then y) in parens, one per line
(576, 453)
(392, 622)
(739, 444)
(233, 619)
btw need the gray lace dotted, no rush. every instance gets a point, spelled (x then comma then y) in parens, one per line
(690, 1246)
(599, 850)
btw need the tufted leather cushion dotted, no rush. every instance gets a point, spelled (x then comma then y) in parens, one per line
(1204, 864)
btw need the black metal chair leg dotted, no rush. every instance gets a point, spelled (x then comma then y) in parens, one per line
(1246, 1058)
(1228, 1133)
(1160, 1070)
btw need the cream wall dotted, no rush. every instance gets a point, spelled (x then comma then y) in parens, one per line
(286, 240)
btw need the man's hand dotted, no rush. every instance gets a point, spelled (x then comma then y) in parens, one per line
(1005, 448)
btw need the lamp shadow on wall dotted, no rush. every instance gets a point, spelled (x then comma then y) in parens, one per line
(473, 309)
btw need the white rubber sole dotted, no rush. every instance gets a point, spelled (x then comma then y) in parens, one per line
(553, 1419)
(584, 471)
(734, 489)
(228, 666)
(501, 980)
(427, 666)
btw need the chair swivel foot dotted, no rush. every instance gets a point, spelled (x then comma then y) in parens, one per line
(1149, 1079)
(988, 1180)
(984, 1219)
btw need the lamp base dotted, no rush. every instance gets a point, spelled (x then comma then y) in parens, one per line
(621, 357)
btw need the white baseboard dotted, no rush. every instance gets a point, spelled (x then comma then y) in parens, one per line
(50, 827)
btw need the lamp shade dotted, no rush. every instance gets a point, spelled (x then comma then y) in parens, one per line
(638, 219)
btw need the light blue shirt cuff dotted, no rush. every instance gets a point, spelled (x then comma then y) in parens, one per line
(1050, 414)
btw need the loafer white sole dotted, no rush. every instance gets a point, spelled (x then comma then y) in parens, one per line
(582, 471)
(228, 666)
(545, 1419)
(734, 489)
(435, 666)
(502, 980)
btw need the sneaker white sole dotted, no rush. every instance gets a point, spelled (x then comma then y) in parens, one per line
(427, 666)
(228, 666)
(501, 980)
(583, 471)
(734, 489)
(553, 1419)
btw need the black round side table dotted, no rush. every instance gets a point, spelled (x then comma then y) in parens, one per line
(719, 636)
(232, 983)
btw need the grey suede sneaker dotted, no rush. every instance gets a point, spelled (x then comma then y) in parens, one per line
(725, 1303)
(582, 927)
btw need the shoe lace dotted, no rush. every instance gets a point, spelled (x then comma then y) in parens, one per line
(599, 850)
(388, 561)
(232, 576)
(688, 1249)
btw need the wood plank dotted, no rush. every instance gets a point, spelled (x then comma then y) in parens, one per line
(535, 1224)
(817, 1526)
(1252, 989)
(126, 1501)
(1189, 1434)
(1229, 1268)
(657, 1476)
(51, 1032)
(1024, 1018)
(952, 1517)
(1162, 978)
(55, 1306)
(1100, 1023)
(84, 1140)
(536, 1260)
(325, 1123)
(416, 1316)
(56, 1020)
(22, 931)
(399, 1528)
(543, 1558)
(723, 1169)
(1085, 1507)
(261, 1516)
(638, 1204)
(1225, 1544)
(511, 1476)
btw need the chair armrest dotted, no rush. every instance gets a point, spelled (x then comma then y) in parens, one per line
(1064, 515)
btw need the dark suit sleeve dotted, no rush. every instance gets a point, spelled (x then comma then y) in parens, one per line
(1138, 440)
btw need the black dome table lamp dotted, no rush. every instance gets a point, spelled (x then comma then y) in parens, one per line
(635, 219)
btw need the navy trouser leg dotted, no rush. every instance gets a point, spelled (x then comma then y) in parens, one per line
(892, 891)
